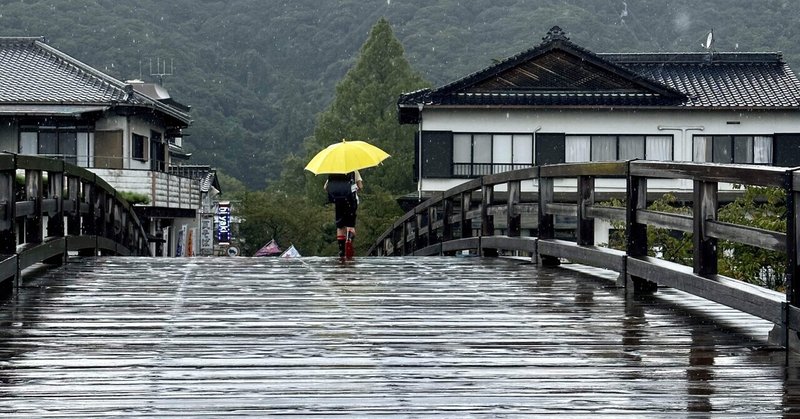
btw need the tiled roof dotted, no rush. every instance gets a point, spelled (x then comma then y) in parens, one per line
(558, 73)
(33, 73)
(754, 80)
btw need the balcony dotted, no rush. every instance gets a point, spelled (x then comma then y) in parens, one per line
(165, 190)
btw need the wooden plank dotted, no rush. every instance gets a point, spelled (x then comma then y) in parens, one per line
(660, 219)
(570, 170)
(765, 239)
(77, 243)
(379, 337)
(606, 213)
(745, 174)
(562, 209)
(514, 175)
(467, 243)
(432, 250)
(600, 257)
(28, 255)
(739, 295)
(522, 244)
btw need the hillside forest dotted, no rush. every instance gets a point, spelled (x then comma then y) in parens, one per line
(271, 82)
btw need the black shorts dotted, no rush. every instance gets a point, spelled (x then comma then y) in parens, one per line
(345, 213)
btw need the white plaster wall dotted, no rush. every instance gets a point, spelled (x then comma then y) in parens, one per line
(682, 124)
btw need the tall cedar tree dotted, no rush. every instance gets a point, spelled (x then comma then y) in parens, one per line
(365, 108)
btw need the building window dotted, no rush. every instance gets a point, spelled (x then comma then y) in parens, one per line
(482, 154)
(746, 149)
(158, 155)
(58, 142)
(138, 147)
(583, 148)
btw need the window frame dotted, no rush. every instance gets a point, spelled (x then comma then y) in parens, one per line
(714, 145)
(63, 139)
(139, 145)
(480, 165)
(594, 139)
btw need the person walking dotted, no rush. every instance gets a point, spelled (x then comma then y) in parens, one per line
(342, 191)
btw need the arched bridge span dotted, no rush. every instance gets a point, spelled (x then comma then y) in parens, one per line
(49, 207)
(485, 215)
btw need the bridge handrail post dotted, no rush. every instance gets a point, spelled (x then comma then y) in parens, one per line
(585, 226)
(55, 220)
(465, 221)
(33, 193)
(792, 187)
(705, 209)
(447, 214)
(430, 233)
(8, 217)
(513, 216)
(636, 233)
(487, 219)
(73, 213)
(546, 227)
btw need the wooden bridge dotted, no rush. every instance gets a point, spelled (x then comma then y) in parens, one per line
(464, 219)
(537, 333)
(49, 208)
(383, 336)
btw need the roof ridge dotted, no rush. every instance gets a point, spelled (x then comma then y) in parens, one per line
(771, 57)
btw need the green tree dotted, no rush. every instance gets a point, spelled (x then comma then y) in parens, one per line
(365, 108)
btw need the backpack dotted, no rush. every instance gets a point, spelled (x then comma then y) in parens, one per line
(340, 187)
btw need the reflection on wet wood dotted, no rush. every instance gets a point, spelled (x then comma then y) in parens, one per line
(381, 336)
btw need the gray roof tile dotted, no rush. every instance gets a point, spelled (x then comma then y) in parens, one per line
(33, 73)
(695, 80)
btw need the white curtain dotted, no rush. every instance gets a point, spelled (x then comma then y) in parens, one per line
(28, 143)
(659, 147)
(462, 154)
(604, 148)
(83, 149)
(482, 151)
(501, 153)
(762, 150)
(523, 149)
(576, 148)
(462, 148)
(701, 148)
(631, 147)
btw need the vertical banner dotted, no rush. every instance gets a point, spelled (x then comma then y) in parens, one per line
(180, 242)
(224, 223)
(206, 235)
(190, 243)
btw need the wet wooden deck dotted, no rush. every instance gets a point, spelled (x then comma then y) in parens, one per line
(380, 337)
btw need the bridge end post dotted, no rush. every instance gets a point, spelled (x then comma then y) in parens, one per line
(636, 233)
(487, 219)
(546, 225)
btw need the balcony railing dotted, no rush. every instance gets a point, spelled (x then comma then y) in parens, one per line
(470, 170)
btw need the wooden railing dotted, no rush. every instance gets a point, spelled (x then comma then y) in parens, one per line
(59, 208)
(464, 218)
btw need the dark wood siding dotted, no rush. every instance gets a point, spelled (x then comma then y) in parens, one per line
(437, 154)
(549, 148)
(787, 150)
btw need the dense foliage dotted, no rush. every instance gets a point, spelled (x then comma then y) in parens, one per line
(257, 72)
(757, 207)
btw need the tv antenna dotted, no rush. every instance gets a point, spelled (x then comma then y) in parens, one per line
(161, 69)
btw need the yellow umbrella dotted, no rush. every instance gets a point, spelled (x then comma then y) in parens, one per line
(346, 157)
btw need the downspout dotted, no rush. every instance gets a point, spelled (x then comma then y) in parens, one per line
(419, 155)
(533, 158)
